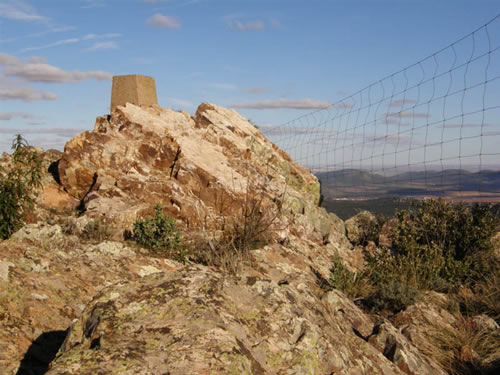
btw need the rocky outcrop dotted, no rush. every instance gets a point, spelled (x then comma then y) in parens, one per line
(112, 307)
(401, 352)
(200, 168)
(200, 321)
(47, 278)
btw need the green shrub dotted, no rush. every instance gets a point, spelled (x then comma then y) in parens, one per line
(370, 228)
(17, 187)
(353, 284)
(158, 233)
(392, 295)
(436, 246)
(445, 242)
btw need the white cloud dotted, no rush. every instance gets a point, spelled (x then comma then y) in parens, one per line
(236, 25)
(103, 45)
(279, 130)
(6, 59)
(41, 72)
(6, 116)
(18, 10)
(47, 142)
(463, 126)
(51, 74)
(26, 94)
(161, 21)
(402, 102)
(39, 34)
(283, 103)
(72, 41)
(54, 44)
(61, 132)
(101, 36)
(37, 60)
(403, 114)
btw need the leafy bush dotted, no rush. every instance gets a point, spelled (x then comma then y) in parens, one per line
(158, 233)
(393, 295)
(446, 242)
(436, 246)
(17, 187)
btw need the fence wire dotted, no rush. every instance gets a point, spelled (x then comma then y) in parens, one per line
(430, 129)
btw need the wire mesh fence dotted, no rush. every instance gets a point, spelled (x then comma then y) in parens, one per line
(430, 129)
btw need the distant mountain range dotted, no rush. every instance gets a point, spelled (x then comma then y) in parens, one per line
(456, 184)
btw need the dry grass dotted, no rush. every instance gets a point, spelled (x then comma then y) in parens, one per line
(484, 296)
(250, 228)
(466, 348)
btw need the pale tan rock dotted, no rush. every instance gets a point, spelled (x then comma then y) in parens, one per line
(4, 270)
(41, 233)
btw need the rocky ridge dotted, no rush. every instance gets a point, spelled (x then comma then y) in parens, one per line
(120, 309)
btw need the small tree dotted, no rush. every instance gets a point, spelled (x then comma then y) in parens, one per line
(17, 186)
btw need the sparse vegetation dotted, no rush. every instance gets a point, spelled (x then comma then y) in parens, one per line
(17, 187)
(249, 229)
(158, 233)
(96, 230)
(353, 284)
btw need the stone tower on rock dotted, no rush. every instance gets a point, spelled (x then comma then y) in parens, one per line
(135, 89)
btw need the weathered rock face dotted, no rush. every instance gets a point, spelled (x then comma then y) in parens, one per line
(47, 277)
(198, 321)
(199, 168)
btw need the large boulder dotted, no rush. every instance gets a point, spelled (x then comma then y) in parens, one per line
(200, 168)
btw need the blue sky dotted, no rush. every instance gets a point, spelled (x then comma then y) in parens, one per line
(272, 60)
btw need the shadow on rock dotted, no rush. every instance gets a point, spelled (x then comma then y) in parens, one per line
(41, 352)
